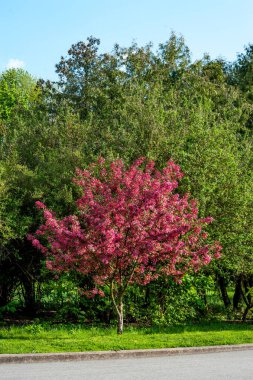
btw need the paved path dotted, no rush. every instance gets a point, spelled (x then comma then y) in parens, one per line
(236, 365)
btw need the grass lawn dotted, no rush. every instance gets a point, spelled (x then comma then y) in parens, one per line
(45, 338)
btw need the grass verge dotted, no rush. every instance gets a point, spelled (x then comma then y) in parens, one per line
(42, 338)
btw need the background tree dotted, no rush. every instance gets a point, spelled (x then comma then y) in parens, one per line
(36, 152)
(17, 91)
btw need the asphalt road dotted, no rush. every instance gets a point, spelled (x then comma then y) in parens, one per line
(236, 365)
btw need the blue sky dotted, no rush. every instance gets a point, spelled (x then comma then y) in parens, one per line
(34, 34)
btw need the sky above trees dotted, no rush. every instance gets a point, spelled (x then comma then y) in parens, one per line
(34, 34)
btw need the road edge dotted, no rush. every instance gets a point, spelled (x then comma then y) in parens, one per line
(121, 354)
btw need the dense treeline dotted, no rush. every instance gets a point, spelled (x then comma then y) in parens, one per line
(129, 103)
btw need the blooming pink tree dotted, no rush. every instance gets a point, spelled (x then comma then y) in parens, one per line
(131, 228)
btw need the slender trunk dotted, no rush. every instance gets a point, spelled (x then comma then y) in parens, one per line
(238, 293)
(223, 290)
(147, 297)
(245, 313)
(5, 293)
(30, 298)
(118, 306)
(120, 318)
(247, 283)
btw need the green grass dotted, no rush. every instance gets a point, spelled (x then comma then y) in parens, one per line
(37, 338)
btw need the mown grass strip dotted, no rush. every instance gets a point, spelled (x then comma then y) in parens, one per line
(37, 338)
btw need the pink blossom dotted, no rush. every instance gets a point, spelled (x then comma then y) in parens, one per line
(36, 243)
(40, 205)
(131, 227)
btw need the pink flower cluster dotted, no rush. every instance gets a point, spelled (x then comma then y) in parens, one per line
(131, 227)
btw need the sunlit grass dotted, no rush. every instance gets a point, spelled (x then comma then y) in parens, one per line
(37, 338)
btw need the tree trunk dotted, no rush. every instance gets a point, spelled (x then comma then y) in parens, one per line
(5, 293)
(223, 289)
(30, 297)
(245, 313)
(118, 305)
(120, 317)
(238, 293)
(247, 283)
(147, 296)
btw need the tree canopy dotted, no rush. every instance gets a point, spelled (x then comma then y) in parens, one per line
(131, 227)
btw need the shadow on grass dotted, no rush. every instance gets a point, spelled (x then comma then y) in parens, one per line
(34, 337)
(198, 327)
